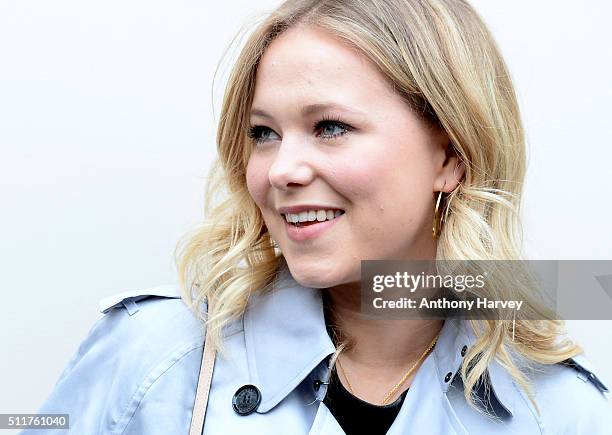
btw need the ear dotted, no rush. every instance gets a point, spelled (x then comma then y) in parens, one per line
(452, 169)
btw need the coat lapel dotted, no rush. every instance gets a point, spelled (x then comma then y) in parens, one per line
(285, 337)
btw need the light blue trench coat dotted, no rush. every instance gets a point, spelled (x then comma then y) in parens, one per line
(136, 373)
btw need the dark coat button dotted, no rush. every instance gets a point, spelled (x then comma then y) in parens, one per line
(317, 384)
(463, 350)
(246, 399)
(448, 376)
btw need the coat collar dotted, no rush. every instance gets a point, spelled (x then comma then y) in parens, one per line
(498, 395)
(286, 339)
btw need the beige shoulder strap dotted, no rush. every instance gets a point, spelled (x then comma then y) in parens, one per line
(201, 397)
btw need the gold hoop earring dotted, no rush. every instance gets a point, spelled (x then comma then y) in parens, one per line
(437, 221)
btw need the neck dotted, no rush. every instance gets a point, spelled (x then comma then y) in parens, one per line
(377, 343)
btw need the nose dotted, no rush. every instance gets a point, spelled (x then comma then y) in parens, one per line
(291, 165)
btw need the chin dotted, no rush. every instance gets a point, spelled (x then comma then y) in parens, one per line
(313, 281)
(312, 274)
(321, 274)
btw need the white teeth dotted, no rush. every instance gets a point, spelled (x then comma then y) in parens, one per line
(312, 215)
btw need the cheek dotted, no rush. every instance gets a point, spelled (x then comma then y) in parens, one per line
(389, 177)
(406, 192)
(257, 180)
(356, 178)
(388, 192)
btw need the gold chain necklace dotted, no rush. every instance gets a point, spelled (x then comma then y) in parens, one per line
(399, 384)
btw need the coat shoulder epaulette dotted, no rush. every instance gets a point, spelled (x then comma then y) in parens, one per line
(585, 371)
(129, 299)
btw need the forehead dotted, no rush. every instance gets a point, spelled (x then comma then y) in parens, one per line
(305, 65)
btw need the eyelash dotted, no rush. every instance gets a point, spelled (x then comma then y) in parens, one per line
(254, 131)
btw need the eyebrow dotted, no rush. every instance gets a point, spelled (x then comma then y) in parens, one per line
(310, 110)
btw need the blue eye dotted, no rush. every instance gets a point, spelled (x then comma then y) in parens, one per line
(254, 132)
(330, 128)
(337, 126)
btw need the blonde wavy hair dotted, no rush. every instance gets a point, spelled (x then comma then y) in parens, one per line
(443, 61)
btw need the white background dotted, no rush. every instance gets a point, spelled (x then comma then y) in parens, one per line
(107, 132)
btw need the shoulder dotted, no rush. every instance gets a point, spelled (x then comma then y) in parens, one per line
(572, 397)
(151, 323)
(153, 313)
(142, 328)
(142, 335)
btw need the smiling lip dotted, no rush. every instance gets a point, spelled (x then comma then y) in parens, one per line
(300, 234)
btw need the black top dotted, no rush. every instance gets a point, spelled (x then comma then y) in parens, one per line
(357, 416)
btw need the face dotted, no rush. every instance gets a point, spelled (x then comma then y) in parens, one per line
(330, 134)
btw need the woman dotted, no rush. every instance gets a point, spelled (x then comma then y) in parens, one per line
(350, 130)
